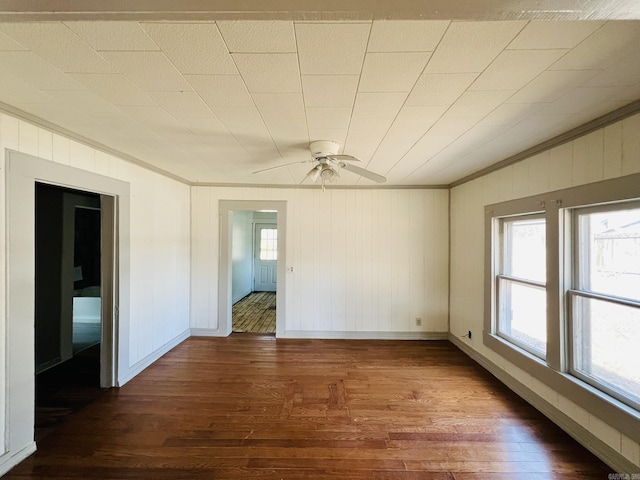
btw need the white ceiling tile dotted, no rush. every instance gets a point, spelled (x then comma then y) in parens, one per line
(513, 69)
(510, 114)
(285, 105)
(282, 126)
(329, 90)
(367, 126)
(471, 46)
(328, 117)
(578, 100)
(242, 120)
(195, 48)
(378, 105)
(8, 44)
(362, 148)
(452, 126)
(151, 71)
(622, 74)
(325, 48)
(149, 116)
(87, 102)
(418, 118)
(221, 90)
(603, 48)
(114, 88)
(440, 88)
(14, 90)
(58, 45)
(269, 72)
(258, 36)
(392, 72)
(557, 34)
(552, 84)
(182, 104)
(406, 35)
(36, 71)
(113, 35)
(478, 102)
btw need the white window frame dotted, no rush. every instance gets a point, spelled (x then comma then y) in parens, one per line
(554, 370)
(574, 291)
(502, 247)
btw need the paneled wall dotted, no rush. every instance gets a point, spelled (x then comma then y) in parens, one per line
(610, 152)
(242, 255)
(364, 261)
(159, 262)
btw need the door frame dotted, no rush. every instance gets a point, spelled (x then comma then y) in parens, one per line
(23, 171)
(225, 303)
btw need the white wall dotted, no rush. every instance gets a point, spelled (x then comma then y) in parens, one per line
(242, 255)
(606, 153)
(159, 250)
(364, 261)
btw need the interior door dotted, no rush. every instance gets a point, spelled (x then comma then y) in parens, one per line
(265, 257)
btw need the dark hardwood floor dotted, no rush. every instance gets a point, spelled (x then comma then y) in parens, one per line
(251, 406)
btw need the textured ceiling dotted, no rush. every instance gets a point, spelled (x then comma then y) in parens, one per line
(424, 102)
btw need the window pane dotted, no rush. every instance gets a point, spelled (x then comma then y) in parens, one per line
(609, 253)
(268, 244)
(606, 344)
(524, 249)
(523, 314)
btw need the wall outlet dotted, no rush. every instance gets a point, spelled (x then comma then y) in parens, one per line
(418, 322)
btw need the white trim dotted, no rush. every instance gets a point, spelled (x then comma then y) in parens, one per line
(608, 455)
(226, 207)
(9, 462)
(331, 335)
(207, 332)
(151, 358)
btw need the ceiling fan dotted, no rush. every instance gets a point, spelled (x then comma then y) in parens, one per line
(329, 164)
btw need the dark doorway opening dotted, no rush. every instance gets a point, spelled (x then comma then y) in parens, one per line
(68, 323)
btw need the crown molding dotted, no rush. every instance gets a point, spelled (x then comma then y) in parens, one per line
(584, 129)
(52, 127)
(314, 10)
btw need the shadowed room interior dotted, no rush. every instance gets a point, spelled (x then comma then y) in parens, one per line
(285, 240)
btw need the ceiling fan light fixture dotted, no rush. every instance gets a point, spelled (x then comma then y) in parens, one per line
(313, 174)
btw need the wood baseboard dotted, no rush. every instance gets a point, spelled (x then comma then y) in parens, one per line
(334, 335)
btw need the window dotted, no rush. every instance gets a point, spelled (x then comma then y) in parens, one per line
(268, 244)
(521, 283)
(562, 294)
(605, 299)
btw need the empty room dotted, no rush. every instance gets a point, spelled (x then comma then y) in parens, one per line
(290, 240)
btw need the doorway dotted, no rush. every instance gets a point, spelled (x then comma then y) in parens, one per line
(68, 304)
(239, 247)
(254, 271)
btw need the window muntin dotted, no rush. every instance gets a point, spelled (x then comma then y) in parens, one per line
(605, 299)
(521, 282)
(268, 244)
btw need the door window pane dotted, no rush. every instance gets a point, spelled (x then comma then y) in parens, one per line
(268, 244)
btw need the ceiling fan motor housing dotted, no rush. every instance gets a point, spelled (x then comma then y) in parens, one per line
(323, 148)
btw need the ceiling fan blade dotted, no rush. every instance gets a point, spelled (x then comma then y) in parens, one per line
(280, 166)
(343, 158)
(365, 173)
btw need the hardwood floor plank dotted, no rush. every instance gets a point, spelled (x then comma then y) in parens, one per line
(251, 406)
